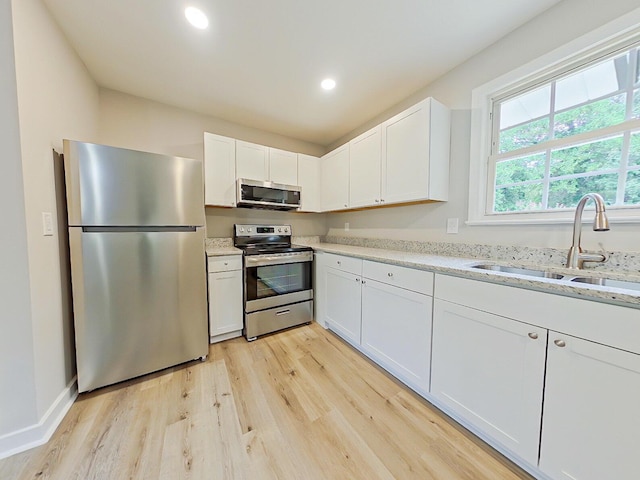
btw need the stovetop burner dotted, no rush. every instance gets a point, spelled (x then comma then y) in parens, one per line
(265, 239)
(263, 249)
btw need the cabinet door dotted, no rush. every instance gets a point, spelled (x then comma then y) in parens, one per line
(319, 290)
(489, 370)
(225, 302)
(365, 157)
(343, 307)
(283, 167)
(252, 161)
(219, 170)
(309, 181)
(335, 179)
(591, 425)
(396, 331)
(415, 154)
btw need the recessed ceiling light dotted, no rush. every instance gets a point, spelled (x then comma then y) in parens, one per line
(196, 17)
(328, 84)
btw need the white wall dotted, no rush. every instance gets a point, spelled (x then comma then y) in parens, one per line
(564, 22)
(56, 99)
(141, 124)
(17, 375)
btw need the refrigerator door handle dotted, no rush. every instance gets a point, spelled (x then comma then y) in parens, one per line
(137, 229)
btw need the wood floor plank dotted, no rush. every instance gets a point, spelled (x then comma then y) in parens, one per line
(300, 404)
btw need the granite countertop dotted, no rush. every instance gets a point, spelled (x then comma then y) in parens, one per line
(217, 247)
(462, 267)
(221, 251)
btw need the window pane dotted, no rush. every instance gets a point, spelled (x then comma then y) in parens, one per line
(525, 107)
(518, 198)
(634, 149)
(520, 169)
(590, 157)
(592, 116)
(567, 193)
(637, 66)
(632, 191)
(524, 135)
(592, 83)
(636, 104)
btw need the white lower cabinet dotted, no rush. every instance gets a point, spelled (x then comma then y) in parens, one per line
(343, 303)
(376, 308)
(489, 370)
(225, 297)
(591, 423)
(396, 331)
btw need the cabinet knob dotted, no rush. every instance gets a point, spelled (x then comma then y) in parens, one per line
(357, 279)
(389, 274)
(533, 335)
(560, 343)
(377, 201)
(338, 262)
(345, 204)
(226, 263)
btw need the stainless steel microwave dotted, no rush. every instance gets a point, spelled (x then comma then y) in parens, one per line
(267, 195)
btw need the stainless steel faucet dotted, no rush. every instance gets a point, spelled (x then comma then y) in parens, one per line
(577, 257)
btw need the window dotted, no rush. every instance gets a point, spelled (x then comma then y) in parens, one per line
(575, 134)
(568, 127)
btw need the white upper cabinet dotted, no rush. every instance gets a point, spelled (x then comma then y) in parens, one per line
(309, 182)
(219, 170)
(415, 154)
(405, 159)
(252, 161)
(335, 179)
(283, 167)
(365, 162)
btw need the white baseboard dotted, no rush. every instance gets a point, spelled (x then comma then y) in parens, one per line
(40, 433)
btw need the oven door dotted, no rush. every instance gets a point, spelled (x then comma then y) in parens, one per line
(274, 280)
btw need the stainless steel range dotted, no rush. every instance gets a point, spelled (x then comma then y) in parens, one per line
(278, 292)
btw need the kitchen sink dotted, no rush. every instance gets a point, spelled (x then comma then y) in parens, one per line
(607, 282)
(519, 271)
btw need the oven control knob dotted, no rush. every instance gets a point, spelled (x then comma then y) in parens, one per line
(279, 230)
(242, 229)
(249, 229)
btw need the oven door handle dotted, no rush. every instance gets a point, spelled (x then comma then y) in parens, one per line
(264, 260)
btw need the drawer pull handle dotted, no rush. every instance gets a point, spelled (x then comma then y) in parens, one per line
(533, 335)
(390, 274)
(283, 312)
(560, 343)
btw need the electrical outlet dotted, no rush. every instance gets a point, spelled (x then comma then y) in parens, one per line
(452, 225)
(47, 224)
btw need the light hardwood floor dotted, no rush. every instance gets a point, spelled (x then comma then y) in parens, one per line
(299, 405)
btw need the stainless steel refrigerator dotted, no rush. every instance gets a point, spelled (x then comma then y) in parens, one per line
(138, 272)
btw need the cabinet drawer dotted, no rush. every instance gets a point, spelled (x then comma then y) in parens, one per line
(403, 277)
(346, 264)
(224, 264)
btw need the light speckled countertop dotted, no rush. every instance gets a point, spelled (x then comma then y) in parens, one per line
(462, 267)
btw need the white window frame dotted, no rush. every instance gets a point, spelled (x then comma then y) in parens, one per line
(618, 33)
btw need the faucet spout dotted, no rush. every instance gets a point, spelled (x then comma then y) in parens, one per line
(576, 256)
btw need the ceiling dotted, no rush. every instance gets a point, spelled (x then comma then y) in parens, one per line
(260, 62)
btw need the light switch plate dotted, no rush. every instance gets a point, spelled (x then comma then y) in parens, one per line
(47, 224)
(452, 225)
